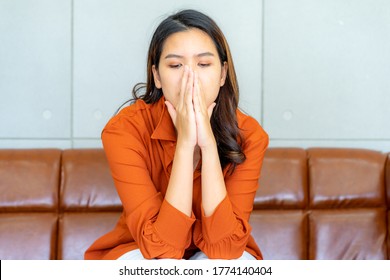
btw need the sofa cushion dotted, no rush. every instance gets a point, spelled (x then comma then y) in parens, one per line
(341, 178)
(29, 180)
(388, 180)
(348, 234)
(280, 234)
(283, 181)
(28, 236)
(77, 231)
(87, 184)
(388, 235)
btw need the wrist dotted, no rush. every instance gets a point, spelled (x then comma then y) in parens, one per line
(208, 146)
(185, 147)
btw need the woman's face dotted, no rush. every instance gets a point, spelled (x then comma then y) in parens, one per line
(196, 49)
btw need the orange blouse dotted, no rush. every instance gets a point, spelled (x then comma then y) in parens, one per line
(140, 144)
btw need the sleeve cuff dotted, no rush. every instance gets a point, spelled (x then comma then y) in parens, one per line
(173, 226)
(221, 223)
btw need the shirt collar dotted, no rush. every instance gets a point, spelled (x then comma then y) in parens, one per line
(165, 129)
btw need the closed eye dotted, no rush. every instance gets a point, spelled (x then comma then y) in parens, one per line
(203, 65)
(175, 66)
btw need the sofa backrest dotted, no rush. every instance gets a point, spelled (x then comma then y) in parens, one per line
(29, 192)
(54, 203)
(311, 204)
(323, 204)
(89, 204)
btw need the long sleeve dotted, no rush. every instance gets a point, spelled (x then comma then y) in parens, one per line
(160, 230)
(225, 234)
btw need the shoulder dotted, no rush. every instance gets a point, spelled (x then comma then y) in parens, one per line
(131, 126)
(133, 116)
(250, 128)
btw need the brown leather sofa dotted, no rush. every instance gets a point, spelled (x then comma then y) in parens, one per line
(312, 204)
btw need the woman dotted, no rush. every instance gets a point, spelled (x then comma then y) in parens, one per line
(185, 161)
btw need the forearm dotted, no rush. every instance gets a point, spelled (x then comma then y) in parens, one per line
(213, 184)
(179, 192)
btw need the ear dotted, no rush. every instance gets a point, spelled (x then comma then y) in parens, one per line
(224, 73)
(156, 77)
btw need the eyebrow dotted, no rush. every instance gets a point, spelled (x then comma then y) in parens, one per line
(180, 56)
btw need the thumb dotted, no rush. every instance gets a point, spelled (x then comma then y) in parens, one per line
(171, 111)
(210, 109)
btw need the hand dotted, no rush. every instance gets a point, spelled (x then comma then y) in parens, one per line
(205, 136)
(183, 116)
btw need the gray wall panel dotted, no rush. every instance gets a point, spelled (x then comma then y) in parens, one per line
(312, 72)
(35, 69)
(326, 69)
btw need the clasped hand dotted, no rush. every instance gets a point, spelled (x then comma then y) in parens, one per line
(191, 116)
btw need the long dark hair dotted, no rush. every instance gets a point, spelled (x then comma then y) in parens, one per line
(223, 120)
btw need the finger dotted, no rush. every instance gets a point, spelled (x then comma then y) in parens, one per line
(210, 109)
(196, 97)
(171, 111)
(184, 82)
(189, 89)
(202, 100)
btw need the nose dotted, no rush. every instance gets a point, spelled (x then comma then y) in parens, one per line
(191, 64)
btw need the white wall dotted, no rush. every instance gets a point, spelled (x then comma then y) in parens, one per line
(313, 73)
